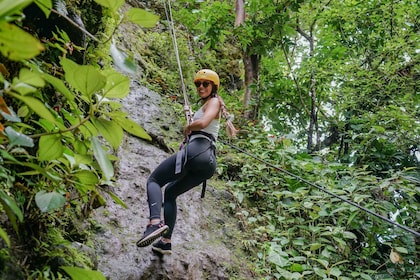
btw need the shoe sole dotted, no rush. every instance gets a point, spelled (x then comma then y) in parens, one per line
(152, 237)
(161, 251)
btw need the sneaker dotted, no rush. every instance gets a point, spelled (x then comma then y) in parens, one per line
(152, 233)
(162, 247)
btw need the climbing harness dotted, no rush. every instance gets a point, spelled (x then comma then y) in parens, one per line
(323, 189)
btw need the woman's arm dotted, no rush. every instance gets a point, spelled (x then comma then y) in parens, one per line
(211, 112)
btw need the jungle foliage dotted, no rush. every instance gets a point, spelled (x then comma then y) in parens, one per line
(60, 125)
(336, 102)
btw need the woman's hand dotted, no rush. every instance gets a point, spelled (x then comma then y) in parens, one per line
(187, 130)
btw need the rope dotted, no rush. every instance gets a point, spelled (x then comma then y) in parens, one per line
(324, 190)
(168, 12)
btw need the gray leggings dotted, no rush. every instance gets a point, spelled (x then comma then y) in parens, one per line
(199, 166)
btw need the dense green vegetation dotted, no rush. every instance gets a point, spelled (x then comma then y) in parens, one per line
(327, 91)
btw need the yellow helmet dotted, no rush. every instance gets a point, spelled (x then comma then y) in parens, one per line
(207, 74)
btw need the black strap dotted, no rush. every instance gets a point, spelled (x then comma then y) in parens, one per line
(203, 189)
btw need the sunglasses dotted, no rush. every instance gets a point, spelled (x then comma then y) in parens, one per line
(205, 84)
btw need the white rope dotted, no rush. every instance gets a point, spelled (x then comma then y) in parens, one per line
(168, 12)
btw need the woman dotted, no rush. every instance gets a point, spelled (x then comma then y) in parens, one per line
(192, 165)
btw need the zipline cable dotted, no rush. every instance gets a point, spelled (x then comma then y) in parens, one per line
(188, 116)
(323, 189)
(168, 12)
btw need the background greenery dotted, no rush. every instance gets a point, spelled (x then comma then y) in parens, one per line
(335, 100)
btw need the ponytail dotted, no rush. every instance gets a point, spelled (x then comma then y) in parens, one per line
(230, 128)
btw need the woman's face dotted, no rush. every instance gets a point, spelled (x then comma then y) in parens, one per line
(204, 88)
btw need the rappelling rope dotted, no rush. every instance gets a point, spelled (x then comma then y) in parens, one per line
(324, 190)
(168, 12)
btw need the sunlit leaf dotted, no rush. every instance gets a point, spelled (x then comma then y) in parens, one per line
(132, 127)
(31, 78)
(142, 17)
(37, 106)
(102, 159)
(10, 7)
(110, 130)
(85, 78)
(77, 273)
(49, 201)
(45, 6)
(117, 85)
(86, 177)
(114, 5)
(17, 44)
(50, 147)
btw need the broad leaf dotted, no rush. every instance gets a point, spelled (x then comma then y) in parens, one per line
(37, 106)
(17, 44)
(132, 127)
(45, 6)
(142, 17)
(102, 159)
(85, 78)
(49, 201)
(117, 85)
(110, 130)
(11, 7)
(114, 5)
(77, 273)
(31, 78)
(86, 177)
(50, 147)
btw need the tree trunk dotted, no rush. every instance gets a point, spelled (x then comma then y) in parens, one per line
(251, 100)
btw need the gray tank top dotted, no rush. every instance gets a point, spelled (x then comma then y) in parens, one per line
(212, 128)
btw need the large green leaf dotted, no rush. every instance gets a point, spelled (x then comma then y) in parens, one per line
(131, 127)
(114, 5)
(117, 85)
(85, 78)
(37, 106)
(86, 177)
(50, 147)
(49, 201)
(11, 7)
(45, 6)
(77, 273)
(110, 130)
(102, 159)
(142, 17)
(17, 44)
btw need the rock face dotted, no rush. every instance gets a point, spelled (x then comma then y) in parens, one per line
(204, 242)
